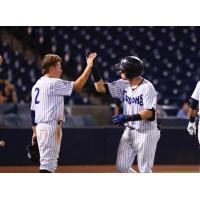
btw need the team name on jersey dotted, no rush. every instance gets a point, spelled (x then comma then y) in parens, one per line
(133, 100)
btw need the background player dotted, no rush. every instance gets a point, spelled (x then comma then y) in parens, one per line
(47, 108)
(139, 98)
(194, 104)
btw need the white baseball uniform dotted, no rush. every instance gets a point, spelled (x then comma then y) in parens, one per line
(48, 103)
(140, 137)
(196, 96)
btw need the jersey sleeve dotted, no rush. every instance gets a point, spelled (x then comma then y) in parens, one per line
(116, 88)
(62, 87)
(150, 98)
(195, 94)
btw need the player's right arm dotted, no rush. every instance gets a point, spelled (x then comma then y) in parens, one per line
(115, 88)
(80, 82)
(98, 82)
(100, 86)
(194, 102)
(65, 88)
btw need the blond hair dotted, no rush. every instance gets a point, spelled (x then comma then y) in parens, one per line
(49, 60)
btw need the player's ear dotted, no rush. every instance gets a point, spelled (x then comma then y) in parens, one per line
(51, 68)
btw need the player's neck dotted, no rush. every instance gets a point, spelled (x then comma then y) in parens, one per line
(136, 81)
(49, 75)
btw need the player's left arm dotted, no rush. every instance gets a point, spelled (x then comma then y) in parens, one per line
(34, 124)
(149, 99)
(148, 113)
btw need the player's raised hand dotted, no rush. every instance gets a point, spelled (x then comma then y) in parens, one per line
(191, 128)
(90, 59)
(119, 119)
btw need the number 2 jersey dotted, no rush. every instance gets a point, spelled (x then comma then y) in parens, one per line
(135, 100)
(48, 99)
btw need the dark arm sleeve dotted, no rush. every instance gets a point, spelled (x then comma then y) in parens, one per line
(194, 103)
(33, 117)
(153, 114)
(107, 89)
(96, 73)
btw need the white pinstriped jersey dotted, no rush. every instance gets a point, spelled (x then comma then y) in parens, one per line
(135, 100)
(196, 94)
(48, 99)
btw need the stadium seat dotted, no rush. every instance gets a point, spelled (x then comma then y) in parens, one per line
(171, 55)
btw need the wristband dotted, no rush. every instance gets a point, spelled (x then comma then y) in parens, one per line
(136, 117)
(33, 118)
(96, 73)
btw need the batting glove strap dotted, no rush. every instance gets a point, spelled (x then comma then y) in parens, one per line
(121, 119)
(136, 117)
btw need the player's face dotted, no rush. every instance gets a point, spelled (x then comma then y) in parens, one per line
(57, 70)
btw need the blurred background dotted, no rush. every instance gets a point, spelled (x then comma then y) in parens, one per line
(171, 58)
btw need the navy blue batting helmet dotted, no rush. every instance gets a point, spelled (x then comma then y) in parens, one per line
(131, 66)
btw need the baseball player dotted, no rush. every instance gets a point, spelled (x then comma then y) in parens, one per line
(138, 98)
(194, 104)
(47, 108)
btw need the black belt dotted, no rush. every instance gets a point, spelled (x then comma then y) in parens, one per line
(132, 128)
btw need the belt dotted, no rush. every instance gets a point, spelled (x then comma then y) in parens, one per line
(132, 128)
(58, 122)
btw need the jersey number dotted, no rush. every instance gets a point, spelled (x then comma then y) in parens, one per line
(37, 94)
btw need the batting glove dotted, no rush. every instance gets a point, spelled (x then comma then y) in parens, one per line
(119, 119)
(192, 128)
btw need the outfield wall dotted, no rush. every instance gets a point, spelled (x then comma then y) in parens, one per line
(98, 145)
